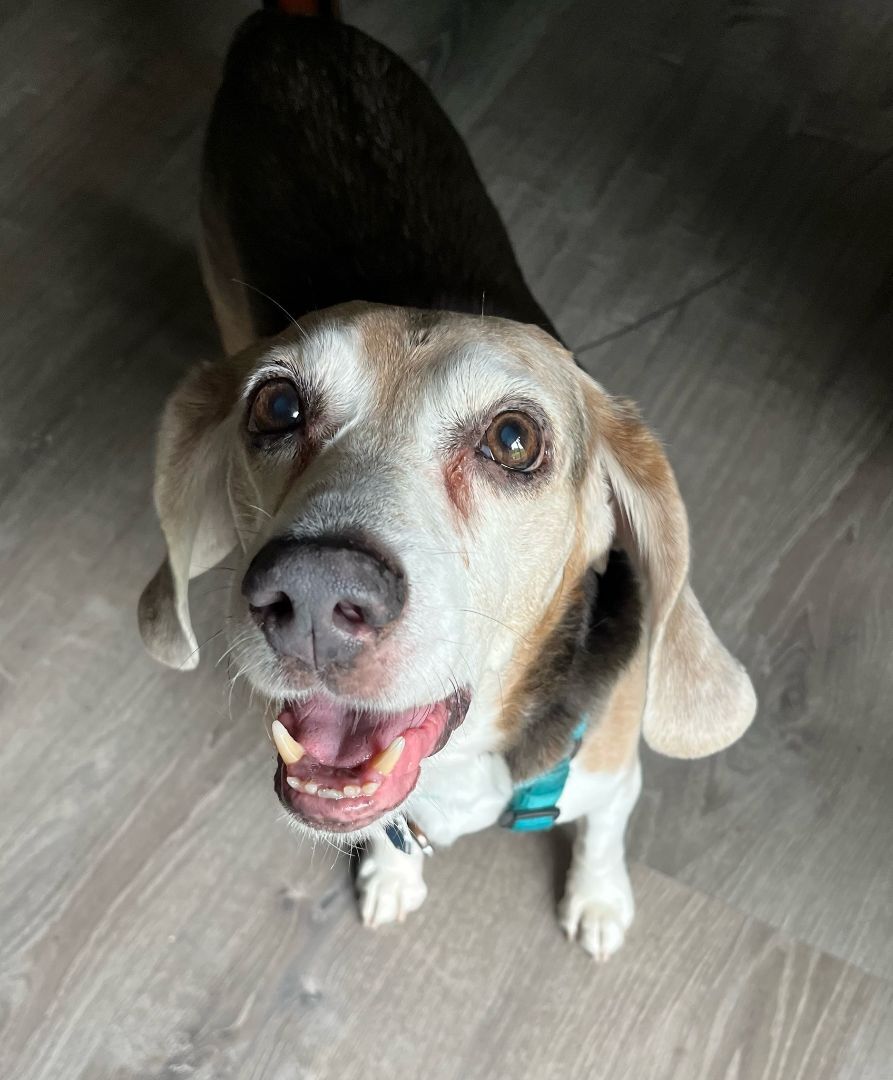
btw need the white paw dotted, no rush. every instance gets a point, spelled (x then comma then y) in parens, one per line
(389, 891)
(598, 912)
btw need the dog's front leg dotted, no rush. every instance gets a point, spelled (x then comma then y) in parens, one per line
(389, 882)
(598, 908)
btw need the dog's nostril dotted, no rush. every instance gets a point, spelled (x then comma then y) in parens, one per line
(348, 617)
(350, 612)
(277, 605)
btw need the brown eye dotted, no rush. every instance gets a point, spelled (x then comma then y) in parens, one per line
(275, 408)
(514, 441)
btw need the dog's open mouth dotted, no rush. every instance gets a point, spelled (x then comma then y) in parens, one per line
(341, 769)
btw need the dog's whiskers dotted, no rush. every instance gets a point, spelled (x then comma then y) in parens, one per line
(200, 646)
(240, 640)
(492, 618)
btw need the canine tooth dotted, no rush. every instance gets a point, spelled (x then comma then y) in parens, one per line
(289, 749)
(385, 762)
(352, 792)
(370, 788)
(329, 793)
(294, 782)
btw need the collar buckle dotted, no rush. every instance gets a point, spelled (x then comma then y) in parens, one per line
(404, 832)
(533, 820)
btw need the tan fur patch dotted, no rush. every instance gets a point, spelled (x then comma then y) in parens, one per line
(619, 423)
(611, 743)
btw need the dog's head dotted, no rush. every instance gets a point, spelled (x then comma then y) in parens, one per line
(415, 497)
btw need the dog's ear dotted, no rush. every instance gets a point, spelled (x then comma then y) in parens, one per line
(192, 476)
(699, 698)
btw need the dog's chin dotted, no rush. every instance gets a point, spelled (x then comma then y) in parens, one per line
(358, 766)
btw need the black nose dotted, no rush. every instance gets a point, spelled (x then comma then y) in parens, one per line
(321, 601)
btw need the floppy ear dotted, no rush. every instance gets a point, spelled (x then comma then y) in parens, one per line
(192, 476)
(699, 699)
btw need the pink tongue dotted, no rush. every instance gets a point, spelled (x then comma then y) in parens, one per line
(341, 738)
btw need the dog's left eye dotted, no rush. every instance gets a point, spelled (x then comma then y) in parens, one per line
(275, 408)
(515, 441)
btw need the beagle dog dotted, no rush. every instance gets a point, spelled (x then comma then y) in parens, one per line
(463, 588)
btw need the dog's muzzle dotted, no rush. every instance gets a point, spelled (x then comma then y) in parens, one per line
(322, 601)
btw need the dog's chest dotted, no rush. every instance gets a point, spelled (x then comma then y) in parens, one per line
(461, 795)
(467, 794)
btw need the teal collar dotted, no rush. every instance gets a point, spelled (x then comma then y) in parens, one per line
(534, 804)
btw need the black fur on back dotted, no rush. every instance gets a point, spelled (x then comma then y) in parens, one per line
(341, 178)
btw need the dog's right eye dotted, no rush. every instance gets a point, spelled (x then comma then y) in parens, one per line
(276, 408)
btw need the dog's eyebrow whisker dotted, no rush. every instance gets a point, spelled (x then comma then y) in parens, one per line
(260, 510)
(266, 296)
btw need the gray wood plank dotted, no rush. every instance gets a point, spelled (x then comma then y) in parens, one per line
(259, 979)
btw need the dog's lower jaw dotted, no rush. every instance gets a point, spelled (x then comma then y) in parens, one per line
(341, 770)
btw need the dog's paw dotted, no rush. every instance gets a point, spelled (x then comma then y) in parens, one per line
(598, 912)
(389, 891)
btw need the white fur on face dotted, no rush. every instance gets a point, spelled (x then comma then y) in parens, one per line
(477, 580)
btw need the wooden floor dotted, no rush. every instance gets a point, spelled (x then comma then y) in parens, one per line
(702, 196)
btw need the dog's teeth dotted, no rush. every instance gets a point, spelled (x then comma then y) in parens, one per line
(290, 751)
(370, 788)
(352, 792)
(329, 793)
(385, 762)
(307, 786)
